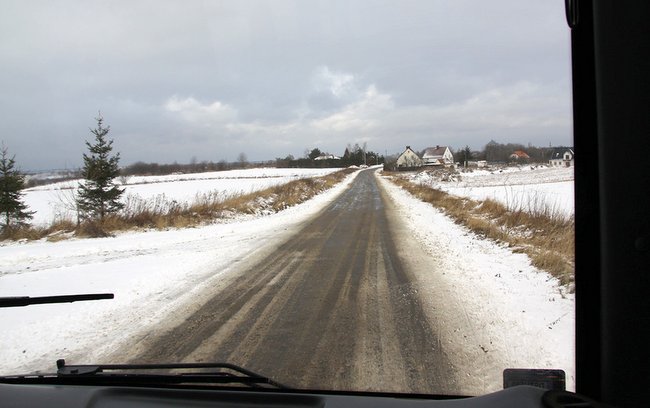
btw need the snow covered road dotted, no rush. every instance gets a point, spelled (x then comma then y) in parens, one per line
(153, 275)
(492, 309)
(332, 307)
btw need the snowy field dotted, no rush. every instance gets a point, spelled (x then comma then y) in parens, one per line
(150, 273)
(513, 315)
(505, 314)
(54, 201)
(530, 188)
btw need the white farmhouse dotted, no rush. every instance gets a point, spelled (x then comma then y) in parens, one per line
(562, 157)
(409, 159)
(437, 156)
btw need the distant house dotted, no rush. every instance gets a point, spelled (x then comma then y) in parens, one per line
(408, 160)
(519, 155)
(477, 163)
(437, 156)
(562, 157)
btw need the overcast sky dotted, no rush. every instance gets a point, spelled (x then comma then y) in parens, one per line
(178, 80)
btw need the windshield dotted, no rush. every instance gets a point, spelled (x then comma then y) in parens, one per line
(338, 195)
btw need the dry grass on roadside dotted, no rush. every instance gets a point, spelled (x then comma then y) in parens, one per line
(206, 208)
(55, 232)
(544, 234)
(160, 213)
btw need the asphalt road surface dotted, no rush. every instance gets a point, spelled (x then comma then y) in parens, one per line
(333, 307)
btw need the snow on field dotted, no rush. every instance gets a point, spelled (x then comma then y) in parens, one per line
(508, 313)
(54, 201)
(150, 273)
(530, 188)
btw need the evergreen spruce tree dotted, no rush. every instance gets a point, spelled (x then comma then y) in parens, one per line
(12, 209)
(97, 195)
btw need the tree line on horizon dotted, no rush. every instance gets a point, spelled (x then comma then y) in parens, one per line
(354, 155)
(494, 152)
(97, 195)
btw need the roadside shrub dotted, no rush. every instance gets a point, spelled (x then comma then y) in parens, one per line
(92, 229)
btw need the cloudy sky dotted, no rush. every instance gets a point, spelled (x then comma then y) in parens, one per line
(178, 80)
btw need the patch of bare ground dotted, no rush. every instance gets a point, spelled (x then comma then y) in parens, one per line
(545, 235)
(163, 214)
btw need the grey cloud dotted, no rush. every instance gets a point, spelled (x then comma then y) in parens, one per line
(293, 75)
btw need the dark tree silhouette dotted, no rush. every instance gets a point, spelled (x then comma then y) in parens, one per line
(13, 210)
(97, 195)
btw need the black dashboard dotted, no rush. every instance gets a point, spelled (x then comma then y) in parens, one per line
(44, 395)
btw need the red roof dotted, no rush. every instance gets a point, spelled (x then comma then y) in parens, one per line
(434, 151)
(520, 154)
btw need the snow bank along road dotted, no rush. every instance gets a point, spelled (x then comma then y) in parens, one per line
(370, 289)
(345, 303)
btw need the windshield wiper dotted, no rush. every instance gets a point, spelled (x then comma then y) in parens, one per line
(132, 375)
(17, 301)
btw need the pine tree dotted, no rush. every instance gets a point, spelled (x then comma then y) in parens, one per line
(97, 195)
(13, 210)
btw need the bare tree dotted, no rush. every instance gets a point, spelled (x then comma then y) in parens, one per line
(242, 159)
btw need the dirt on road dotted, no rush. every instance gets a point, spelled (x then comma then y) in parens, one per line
(332, 307)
